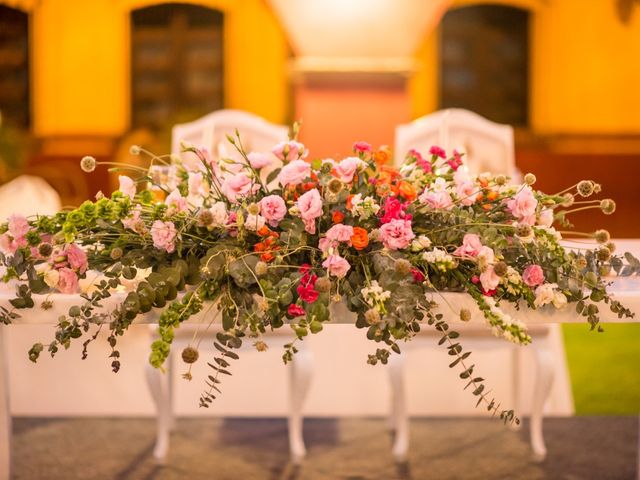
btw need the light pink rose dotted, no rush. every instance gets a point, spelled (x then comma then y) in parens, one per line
(238, 185)
(310, 207)
(470, 247)
(523, 206)
(346, 169)
(176, 202)
(396, 234)
(436, 195)
(254, 222)
(8, 246)
(164, 235)
(127, 186)
(76, 257)
(273, 209)
(294, 173)
(489, 279)
(486, 256)
(196, 185)
(336, 266)
(260, 160)
(18, 226)
(290, 150)
(67, 280)
(340, 233)
(533, 275)
(134, 222)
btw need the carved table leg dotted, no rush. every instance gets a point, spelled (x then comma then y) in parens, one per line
(5, 413)
(158, 383)
(300, 380)
(399, 415)
(544, 379)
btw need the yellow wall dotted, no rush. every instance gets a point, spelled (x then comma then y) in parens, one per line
(81, 55)
(585, 67)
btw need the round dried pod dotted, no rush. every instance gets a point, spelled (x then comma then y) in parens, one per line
(581, 262)
(335, 186)
(603, 254)
(500, 179)
(261, 268)
(530, 179)
(608, 206)
(45, 249)
(500, 268)
(611, 247)
(602, 236)
(253, 209)
(261, 346)
(88, 164)
(567, 200)
(205, 218)
(585, 188)
(134, 150)
(190, 355)
(116, 253)
(523, 230)
(465, 314)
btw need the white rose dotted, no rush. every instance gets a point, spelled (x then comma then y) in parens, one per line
(559, 300)
(544, 294)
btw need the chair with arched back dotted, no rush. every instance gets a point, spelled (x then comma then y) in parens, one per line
(257, 135)
(488, 147)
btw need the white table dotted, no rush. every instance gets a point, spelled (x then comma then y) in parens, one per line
(625, 290)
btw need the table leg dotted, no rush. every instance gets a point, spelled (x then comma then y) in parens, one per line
(515, 385)
(542, 387)
(5, 413)
(300, 380)
(159, 386)
(399, 417)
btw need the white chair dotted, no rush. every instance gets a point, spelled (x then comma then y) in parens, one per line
(488, 146)
(257, 135)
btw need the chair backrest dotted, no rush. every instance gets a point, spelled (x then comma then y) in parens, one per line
(488, 146)
(211, 132)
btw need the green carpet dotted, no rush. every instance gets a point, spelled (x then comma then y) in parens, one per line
(604, 368)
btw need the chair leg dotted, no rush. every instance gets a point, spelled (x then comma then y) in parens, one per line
(159, 387)
(299, 382)
(515, 385)
(5, 413)
(542, 387)
(399, 417)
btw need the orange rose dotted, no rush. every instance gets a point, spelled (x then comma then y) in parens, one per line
(264, 231)
(407, 191)
(492, 195)
(337, 216)
(360, 238)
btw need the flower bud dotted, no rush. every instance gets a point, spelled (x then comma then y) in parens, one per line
(45, 249)
(323, 284)
(603, 254)
(134, 150)
(116, 253)
(500, 179)
(465, 314)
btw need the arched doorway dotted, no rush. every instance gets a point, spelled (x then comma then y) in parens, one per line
(14, 68)
(484, 62)
(176, 64)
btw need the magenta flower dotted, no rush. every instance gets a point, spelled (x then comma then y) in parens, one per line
(437, 152)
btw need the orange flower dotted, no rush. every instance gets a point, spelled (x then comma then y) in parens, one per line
(492, 195)
(264, 231)
(337, 216)
(360, 238)
(259, 247)
(407, 191)
(382, 155)
(349, 205)
(267, 257)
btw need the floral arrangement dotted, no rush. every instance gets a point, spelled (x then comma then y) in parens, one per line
(273, 239)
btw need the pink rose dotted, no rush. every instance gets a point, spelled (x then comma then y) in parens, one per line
(260, 160)
(533, 275)
(67, 280)
(8, 246)
(273, 209)
(346, 168)
(489, 279)
(290, 150)
(127, 186)
(310, 206)
(76, 257)
(340, 233)
(197, 187)
(238, 185)
(176, 202)
(396, 234)
(294, 173)
(324, 244)
(470, 247)
(523, 206)
(164, 235)
(362, 147)
(18, 226)
(456, 161)
(439, 199)
(336, 266)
